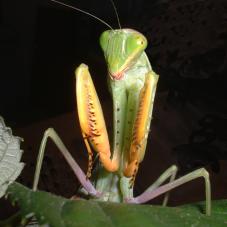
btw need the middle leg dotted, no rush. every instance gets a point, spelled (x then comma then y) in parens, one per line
(148, 195)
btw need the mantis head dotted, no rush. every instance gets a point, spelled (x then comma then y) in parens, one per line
(121, 48)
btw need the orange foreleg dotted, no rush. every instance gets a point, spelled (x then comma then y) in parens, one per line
(91, 119)
(141, 126)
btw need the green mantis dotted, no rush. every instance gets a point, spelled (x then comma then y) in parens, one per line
(132, 84)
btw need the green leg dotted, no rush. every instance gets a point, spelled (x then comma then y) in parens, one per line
(173, 172)
(170, 172)
(150, 194)
(50, 133)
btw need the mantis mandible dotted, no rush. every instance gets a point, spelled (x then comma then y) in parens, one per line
(132, 84)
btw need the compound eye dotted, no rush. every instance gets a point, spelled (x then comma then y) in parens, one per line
(139, 41)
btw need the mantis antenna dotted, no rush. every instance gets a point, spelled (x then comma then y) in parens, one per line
(115, 10)
(83, 11)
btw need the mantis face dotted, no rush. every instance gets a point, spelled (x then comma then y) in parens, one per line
(121, 48)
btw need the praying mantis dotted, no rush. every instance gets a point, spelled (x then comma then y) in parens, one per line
(132, 84)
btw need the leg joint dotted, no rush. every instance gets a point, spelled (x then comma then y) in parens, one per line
(49, 132)
(204, 173)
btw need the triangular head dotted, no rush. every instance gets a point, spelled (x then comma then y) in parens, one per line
(121, 47)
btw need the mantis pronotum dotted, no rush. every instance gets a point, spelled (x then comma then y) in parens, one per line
(132, 84)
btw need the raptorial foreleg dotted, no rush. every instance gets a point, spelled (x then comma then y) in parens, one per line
(141, 126)
(92, 121)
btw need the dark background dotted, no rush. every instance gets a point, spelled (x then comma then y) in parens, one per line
(42, 43)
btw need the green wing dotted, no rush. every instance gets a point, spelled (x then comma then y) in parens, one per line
(10, 156)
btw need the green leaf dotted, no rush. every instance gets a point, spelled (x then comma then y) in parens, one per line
(58, 211)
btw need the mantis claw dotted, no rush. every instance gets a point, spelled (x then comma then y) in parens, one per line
(141, 126)
(92, 121)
